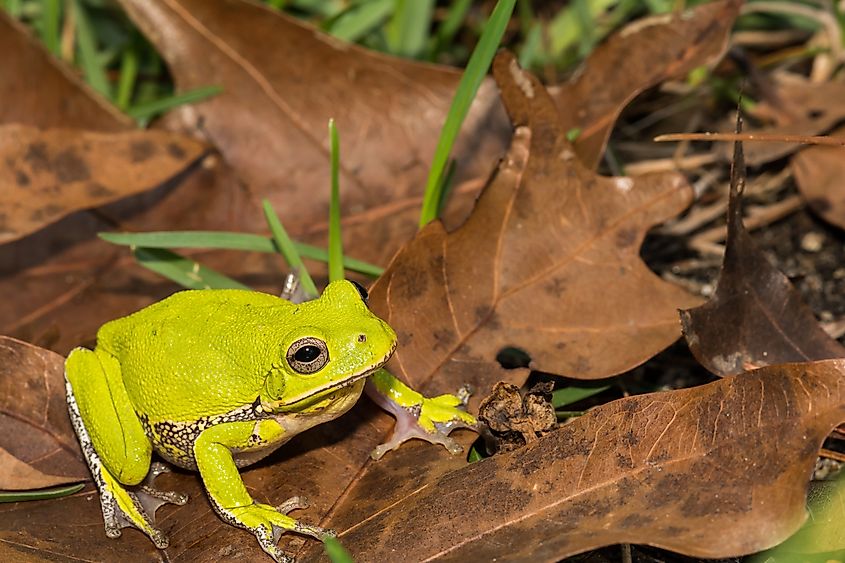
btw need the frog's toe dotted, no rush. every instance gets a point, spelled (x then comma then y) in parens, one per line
(432, 420)
(409, 429)
(125, 509)
(268, 523)
(293, 503)
(152, 498)
(267, 540)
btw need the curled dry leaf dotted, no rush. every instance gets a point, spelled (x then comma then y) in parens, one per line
(37, 445)
(36, 89)
(819, 173)
(46, 174)
(641, 55)
(719, 470)
(756, 317)
(283, 80)
(548, 262)
(513, 419)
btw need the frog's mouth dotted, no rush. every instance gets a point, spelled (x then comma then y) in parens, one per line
(316, 395)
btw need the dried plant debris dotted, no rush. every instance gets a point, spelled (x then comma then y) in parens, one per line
(514, 419)
(756, 317)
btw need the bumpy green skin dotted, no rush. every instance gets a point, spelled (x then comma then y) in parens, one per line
(202, 378)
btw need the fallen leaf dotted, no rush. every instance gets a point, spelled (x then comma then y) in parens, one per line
(548, 262)
(818, 174)
(756, 317)
(37, 90)
(719, 470)
(639, 56)
(37, 445)
(49, 173)
(802, 108)
(283, 80)
(60, 301)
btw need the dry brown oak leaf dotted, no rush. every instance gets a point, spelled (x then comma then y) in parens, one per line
(46, 174)
(548, 262)
(818, 174)
(34, 90)
(756, 317)
(796, 106)
(68, 282)
(641, 55)
(37, 445)
(282, 80)
(719, 470)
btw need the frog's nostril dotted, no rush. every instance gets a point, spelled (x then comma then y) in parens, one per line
(362, 338)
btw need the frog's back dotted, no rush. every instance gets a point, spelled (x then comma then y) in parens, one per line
(206, 346)
(189, 308)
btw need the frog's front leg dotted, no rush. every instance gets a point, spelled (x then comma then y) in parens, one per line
(229, 497)
(114, 444)
(426, 418)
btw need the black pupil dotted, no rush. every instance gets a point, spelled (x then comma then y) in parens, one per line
(307, 354)
(361, 291)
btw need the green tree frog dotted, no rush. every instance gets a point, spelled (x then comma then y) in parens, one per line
(214, 380)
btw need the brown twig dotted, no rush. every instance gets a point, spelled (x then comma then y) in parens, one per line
(753, 137)
(830, 454)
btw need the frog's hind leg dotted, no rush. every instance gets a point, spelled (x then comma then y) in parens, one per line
(114, 444)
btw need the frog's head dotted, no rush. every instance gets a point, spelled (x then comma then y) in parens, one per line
(335, 342)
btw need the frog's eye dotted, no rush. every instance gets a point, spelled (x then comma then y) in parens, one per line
(361, 291)
(307, 355)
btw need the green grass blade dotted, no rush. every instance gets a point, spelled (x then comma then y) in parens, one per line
(408, 29)
(128, 77)
(49, 25)
(359, 20)
(476, 70)
(13, 7)
(336, 552)
(231, 241)
(183, 271)
(569, 395)
(91, 64)
(151, 109)
(41, 494)
(447, 185)
(193, 239)
(288, 250)
(335, 239)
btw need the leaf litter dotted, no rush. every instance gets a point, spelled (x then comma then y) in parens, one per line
(589, 471)
(756, 317)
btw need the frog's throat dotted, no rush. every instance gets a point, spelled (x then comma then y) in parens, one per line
(295, 403)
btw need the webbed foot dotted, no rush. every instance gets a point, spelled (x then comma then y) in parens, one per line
(430, 419)
(269, 523)
(135, 507)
